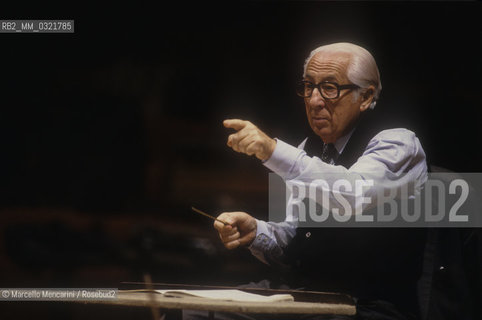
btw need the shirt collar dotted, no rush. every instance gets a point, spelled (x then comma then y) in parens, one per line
(340, 144)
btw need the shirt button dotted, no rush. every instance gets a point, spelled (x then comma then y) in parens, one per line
(308, 234)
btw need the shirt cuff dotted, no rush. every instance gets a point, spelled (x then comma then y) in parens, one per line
(283, 158)
(261, 242)
(262, 234)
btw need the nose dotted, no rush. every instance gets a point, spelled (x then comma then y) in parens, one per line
(316, 100)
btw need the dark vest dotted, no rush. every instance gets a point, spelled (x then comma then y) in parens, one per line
(367, 263)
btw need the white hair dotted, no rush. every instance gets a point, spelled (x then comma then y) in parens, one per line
(362, 70)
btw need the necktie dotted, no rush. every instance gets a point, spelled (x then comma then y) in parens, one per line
(329, 153)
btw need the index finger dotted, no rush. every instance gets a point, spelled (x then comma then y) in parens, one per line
(236, 124)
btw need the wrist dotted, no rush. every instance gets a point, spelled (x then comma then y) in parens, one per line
(270, 149)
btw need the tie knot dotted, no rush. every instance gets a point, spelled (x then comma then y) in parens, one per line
(329, 153)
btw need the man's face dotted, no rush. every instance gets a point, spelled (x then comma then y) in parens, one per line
(331, 118)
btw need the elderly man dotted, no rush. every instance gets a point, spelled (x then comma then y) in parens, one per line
(378, 266)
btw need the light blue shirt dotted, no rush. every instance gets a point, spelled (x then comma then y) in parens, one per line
(392, 159)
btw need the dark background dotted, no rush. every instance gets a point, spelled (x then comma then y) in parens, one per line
(109, 135)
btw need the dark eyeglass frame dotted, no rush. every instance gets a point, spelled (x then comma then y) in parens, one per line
(339, 87)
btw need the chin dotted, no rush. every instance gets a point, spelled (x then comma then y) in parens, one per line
(323, 132)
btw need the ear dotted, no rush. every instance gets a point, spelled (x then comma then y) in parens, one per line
(367, 98)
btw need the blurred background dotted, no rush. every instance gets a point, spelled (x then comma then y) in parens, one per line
(109, 135)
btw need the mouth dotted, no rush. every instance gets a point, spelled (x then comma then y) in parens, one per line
(319, 119)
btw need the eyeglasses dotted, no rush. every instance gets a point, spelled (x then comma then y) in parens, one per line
(327, 89)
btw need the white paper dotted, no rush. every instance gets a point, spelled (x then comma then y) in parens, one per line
(228, 295)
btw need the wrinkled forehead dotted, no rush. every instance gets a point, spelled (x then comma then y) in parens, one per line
(329, 66)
